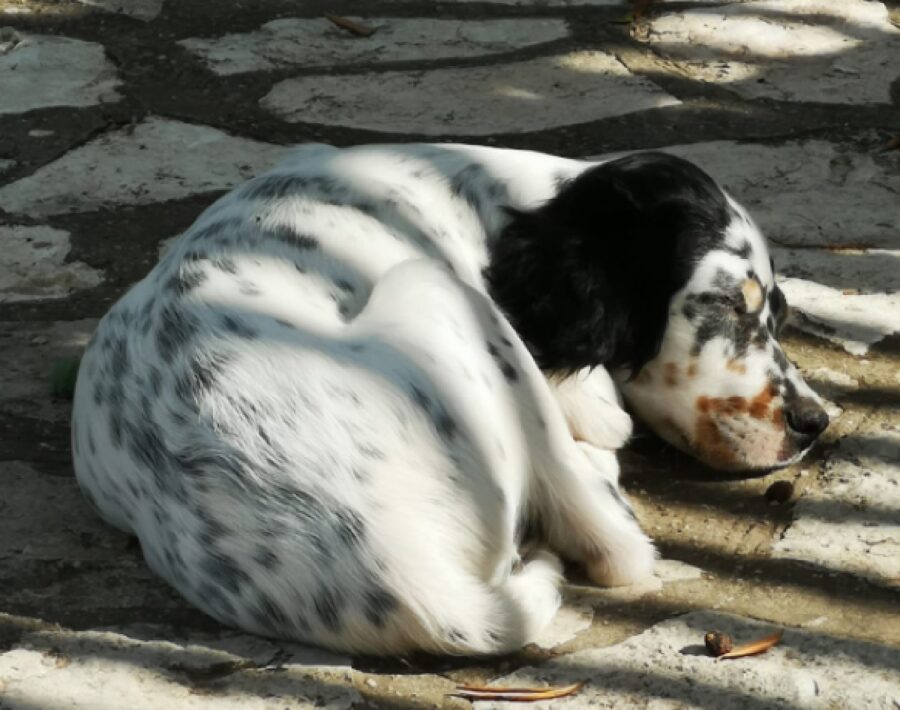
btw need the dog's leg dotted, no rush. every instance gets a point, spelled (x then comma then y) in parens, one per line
(592, 408)
(452, 546)
(574, 490)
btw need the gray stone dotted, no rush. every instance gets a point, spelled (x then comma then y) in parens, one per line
(556, 90)
(52, 529)
(319, 43)
(853, 321)
(667, 666)
(566, 625)
(155, 161)
(31, 351)
(140, 9)
(851, 523)
(854, 271)
(834, 51)
(38, 71)
(33, 265)
(104, 670)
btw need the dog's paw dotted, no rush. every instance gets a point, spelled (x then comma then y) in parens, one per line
(591, 407)
(629, 562)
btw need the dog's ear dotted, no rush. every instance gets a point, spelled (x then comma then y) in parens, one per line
(587, 279)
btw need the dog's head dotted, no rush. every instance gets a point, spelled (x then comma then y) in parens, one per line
(645, 265)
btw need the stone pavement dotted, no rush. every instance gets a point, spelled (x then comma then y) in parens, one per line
(121, 119)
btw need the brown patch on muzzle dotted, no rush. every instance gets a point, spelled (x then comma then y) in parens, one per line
(708, 438)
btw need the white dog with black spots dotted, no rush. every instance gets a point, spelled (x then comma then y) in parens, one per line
(335, 407)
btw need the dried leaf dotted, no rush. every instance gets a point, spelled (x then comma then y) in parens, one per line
(754, 647)
(515, 695)
(352, 27)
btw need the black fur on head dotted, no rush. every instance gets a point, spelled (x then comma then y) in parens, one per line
(587, 278)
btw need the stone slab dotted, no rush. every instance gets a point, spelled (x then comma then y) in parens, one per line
(569, 621)
(856, 271)
(107, 670)
(832, 51)
(31, 351)
(39, 71)
(667, 666)
(319, 43)
(156, 160)
(852, 320)
(33, 265)
(54, 529)
(139, 9)
(852, 522)
(556, 90)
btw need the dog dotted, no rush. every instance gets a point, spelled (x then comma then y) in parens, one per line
(333, 408)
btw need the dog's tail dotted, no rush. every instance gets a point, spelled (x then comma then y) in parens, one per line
(495, 619)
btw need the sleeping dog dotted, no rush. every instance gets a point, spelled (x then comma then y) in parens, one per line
(332, 408)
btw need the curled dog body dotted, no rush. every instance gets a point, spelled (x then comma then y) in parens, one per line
(331, 410)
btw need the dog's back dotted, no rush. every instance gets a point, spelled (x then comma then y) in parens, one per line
(314, 439)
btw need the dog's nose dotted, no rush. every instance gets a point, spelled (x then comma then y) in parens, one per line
(807, 419)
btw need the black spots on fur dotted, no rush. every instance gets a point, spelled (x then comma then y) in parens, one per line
(199, 377)
(378, 605)
(154, 379)
(372, 453)
(455, 636)
(292, 238)
(185, 281)
(266, 559)
(215, 231)
(587, 278)
(613, 491)
(345, 286)
(781, 360)
(238, 327)
(225, 264)
(175, 329)
(328, 604)
(115, 430)
(145, 317)
(509, 372)
(213, 597)
(285, 324)
(276, 187)
(225, 570)
(443, 422)
(268, 614)
(146, 444)
(479, 189)
(350, 527)
(118, 357)
(248, 288)
(134, 490)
